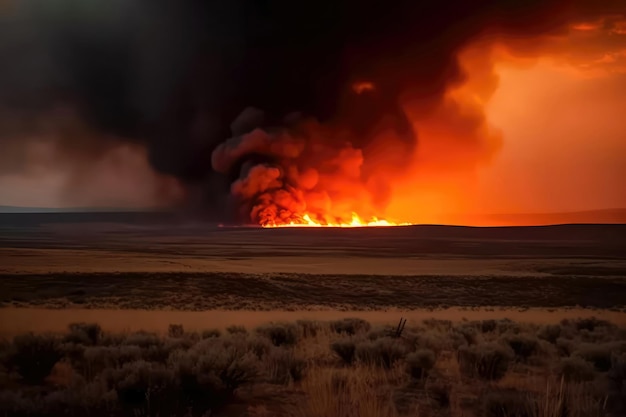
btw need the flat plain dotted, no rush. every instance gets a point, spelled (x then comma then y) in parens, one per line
(135, 314)
(131, 261)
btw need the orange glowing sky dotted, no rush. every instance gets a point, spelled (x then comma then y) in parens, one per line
(561, 117)
(554, 128)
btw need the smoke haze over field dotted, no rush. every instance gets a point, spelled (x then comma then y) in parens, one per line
(265, 112)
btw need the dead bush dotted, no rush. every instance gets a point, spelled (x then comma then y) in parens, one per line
(576, 369)
(488, 361)
(206, 334)
(350, 326)
(175, 331)
(524, 346)
(236, 330)
(280, 334)
(488, 326)
(419, 363)
(211, 371)
(439, 394)
(591, 324)
(148, 388)
(549, 333)
(468, 333)
(309, 328)
(565, 347)
(345, 349)
(383, 352)
(598, 355)
(84, 333)
(616, 397)
(509, 403)
(284, 366)
(34, 356)
(143, 339)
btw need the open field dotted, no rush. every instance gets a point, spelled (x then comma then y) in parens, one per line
(44, 243)
(198, 320)
(207, 291)
(125, 261)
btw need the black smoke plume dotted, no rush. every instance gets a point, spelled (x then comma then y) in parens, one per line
(172, 76)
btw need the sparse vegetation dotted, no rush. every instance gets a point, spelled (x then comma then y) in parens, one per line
(34, 356)
(420, 363)
(350, 326)
(487, 361)
(345, 349)
(307, 369)
(523, 346)
(280, 334)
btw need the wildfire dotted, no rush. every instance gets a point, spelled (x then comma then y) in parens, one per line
(307, 221)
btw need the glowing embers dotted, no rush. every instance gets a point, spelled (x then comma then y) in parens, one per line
(307, 221)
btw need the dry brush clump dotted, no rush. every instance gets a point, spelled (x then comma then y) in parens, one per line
(487, 361)
(343, 368)
(33, 356)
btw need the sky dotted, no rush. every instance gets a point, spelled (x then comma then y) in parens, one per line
(250, 111)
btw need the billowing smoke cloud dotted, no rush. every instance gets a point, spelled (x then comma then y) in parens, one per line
(349, 95)
(287, 173)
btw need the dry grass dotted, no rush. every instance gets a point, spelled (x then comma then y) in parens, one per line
(362, 391)
(279, 291)
(292, 370)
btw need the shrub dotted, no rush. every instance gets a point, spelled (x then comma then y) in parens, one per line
(443, 325)
(280, 334)
(145, 386)
(591, 324)
(576, 369)
(419, 363)
(309, 328)
(439, 393)
(207, 334)
(523, 346)
(549, 333)
(350, 326)
(488, 361)
(616, 398)
(175, 330)
(259, 346)
(598, 355)
(508, 326)
(468, 332)
(488, 326)
(284, 366)
(378, 333)
(34, 356)
(381, 352)
(438, 342)
(96, 359)
(345, 349)
(508, 403)
(211, 371)
(142, 339)
(236, 330)
(565, 347)
(89, 332)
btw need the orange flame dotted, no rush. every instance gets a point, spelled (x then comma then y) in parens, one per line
(307, 221)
